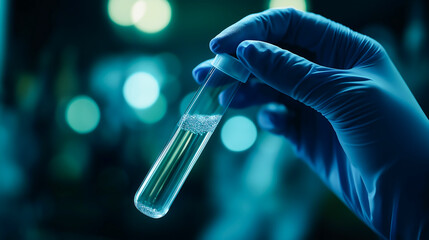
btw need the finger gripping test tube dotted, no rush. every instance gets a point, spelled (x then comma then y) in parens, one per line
(164, 180)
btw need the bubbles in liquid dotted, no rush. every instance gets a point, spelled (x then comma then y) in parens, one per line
(151, 212)
(199, 124)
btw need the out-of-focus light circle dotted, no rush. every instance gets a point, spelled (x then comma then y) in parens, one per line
(238, 133)
(141, 90)
(120, 11)
(155, 112)
(138, 10)
(185, 102)
(11, 178)
(148, 64)
(297, 4)
(151, 16)
(82, 114)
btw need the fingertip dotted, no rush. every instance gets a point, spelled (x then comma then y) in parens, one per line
(253, 93)
(249, 52)
(197, 74)
(225, 97)
(214, 45)
(223, 43)
(242, 48)
(272, 117)
(240, 99)
(200, 72)
(265, 122)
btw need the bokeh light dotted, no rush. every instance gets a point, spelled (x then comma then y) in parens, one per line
(107, 77)
(141, 90)
(297, 4)
(153, 113)
(151, 16)
(82, 114)
(11, 178)
(138, 10)
(120, 11)
(238, 133)
(149, 64)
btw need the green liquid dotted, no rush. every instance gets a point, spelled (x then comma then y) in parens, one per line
(166, 177)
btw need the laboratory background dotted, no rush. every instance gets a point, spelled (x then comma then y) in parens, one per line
(76, 141)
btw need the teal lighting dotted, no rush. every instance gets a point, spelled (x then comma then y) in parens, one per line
(82, 114)
(151, 16)
(238, 133)
(141, 90)
(153, 113)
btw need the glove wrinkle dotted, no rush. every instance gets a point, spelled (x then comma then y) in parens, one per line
(355, 122)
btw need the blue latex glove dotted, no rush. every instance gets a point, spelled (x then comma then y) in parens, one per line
(348, 112)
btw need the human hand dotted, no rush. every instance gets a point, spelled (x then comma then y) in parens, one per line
(349, 113)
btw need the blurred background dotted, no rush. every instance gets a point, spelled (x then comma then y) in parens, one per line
(75, 142)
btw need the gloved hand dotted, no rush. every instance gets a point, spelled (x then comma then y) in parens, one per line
(348, 113)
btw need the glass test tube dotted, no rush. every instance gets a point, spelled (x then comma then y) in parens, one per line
(166, 177)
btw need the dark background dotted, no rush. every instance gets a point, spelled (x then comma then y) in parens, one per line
(56, 183)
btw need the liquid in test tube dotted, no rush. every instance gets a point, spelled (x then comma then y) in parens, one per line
(164, 180)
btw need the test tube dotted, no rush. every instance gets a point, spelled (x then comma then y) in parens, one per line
(164, 180)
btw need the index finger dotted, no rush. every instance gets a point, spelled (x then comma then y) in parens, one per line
(289, 26)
